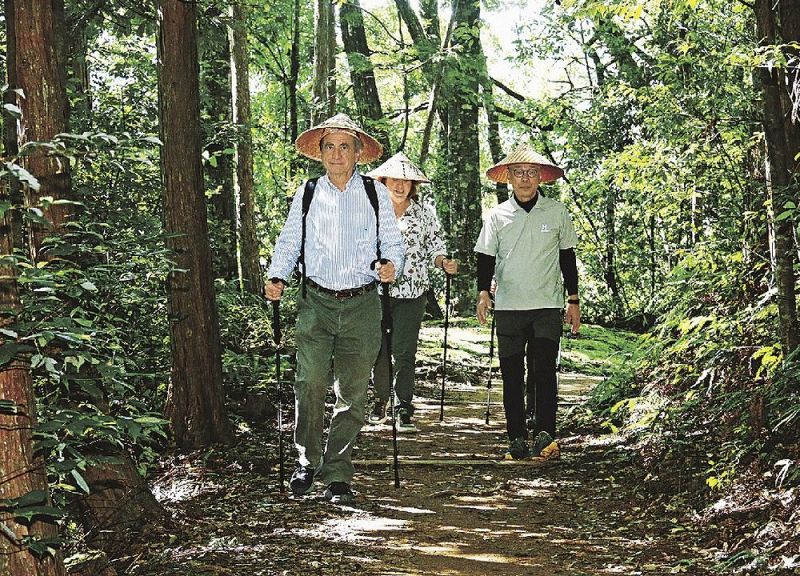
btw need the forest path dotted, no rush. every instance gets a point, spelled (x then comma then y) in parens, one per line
(461, 512)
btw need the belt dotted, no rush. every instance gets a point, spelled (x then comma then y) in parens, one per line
(342, 294)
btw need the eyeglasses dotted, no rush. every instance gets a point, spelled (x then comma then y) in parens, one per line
(530, 172)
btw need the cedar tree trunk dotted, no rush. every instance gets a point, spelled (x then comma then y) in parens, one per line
(195, 402)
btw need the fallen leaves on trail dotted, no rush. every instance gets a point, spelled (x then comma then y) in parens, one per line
(583, 514)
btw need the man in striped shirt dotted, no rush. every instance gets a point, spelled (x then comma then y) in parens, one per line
(338, 320)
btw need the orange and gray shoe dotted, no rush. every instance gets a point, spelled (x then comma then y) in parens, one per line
(545, 447)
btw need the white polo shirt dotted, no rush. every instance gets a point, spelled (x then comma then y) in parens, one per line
(526, 248)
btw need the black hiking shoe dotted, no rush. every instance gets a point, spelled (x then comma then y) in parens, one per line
(302, 480)
(518, 449)
(378, 414)
(339, 493)
(404, 423)
(545, 447)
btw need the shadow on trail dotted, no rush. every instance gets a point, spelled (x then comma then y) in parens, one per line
(460, 510)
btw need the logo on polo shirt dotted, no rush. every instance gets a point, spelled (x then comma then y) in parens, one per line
(545, 228)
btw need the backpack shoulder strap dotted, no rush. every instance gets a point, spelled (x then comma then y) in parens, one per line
(308, 195)
(372, 194)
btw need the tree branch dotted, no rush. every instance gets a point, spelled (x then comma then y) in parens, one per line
(509, 91)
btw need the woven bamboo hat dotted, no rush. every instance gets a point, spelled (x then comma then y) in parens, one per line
(308, 142)
(400, 168)
(524, 154)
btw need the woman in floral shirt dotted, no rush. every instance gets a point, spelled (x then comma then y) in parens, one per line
(425, 248)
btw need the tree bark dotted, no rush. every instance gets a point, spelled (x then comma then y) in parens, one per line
(120, 508)
(80, 118)
(294, 72)
(492, 121)
(362, 75)
(430, 20)
(324, 88)
(611, 250)
(249, 270)
(21, 471)
(781, 143)
(426, 45)
(10, 133)
(433, 103)
(40, 76)
(462, 146)
(195, 403)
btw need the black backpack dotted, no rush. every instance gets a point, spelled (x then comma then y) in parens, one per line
(308, 196)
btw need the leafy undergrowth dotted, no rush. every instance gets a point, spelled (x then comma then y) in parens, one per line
(459, 510)
(711, 411)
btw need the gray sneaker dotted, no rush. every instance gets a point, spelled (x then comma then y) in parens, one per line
(404, 423)
(378, 414)
(339, 493)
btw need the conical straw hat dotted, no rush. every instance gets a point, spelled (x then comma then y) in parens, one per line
(308, 142)
(400, 168)
(524, 154)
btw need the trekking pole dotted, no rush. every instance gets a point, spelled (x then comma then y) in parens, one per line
(276, 335)
(444, 352)
(386, 326)
(491, 362)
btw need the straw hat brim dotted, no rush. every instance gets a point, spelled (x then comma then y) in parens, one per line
(548, 171)
(308, 142)
(400, 167)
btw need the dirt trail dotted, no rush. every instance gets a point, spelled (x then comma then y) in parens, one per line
(465, 513)
(536, 518)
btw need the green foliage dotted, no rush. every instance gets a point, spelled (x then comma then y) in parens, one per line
(598, 351)
(725, 400)
(657, 158)
(655, 119)
(247, 339)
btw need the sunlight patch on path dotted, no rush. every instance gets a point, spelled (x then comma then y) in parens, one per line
(359, 527)
(454, 550)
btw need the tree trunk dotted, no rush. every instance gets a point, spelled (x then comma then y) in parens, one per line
(249, 270)
(430, 19)
(610, 271)
(492, 122)
(789, 12)
(194, 405)
(21, 472)
(216, 82)
(426, 44)
(120, 508)
(10, 137)
(80, 118)
(294, 72)
(463, 148)
(324, 89)
(362, 75)
(434, 106)
(44, 107)
(781, 166)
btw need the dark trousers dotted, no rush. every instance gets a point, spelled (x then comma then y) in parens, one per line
(532, 336)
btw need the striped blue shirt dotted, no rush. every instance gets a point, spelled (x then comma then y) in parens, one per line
(340, 235)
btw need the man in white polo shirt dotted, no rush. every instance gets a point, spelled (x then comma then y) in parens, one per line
(527, 244)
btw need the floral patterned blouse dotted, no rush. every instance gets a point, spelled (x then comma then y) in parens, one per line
(422, 233)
